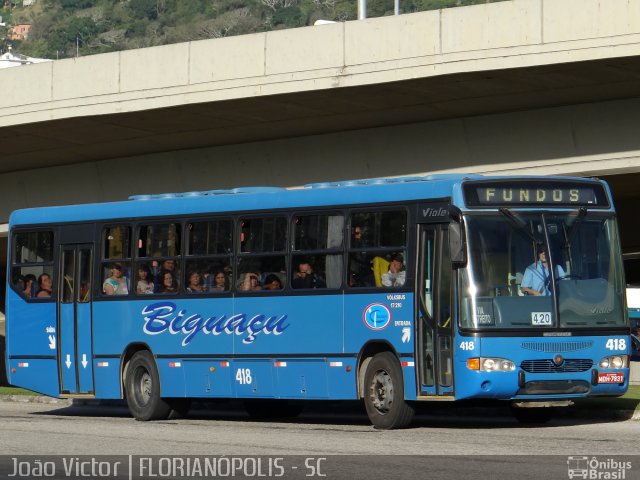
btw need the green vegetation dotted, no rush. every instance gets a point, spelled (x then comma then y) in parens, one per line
(629, 401)
(66, 28)
(15, 391)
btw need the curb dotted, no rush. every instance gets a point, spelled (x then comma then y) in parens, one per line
(34, 399)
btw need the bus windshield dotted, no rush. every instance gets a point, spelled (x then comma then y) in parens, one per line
(542, 271)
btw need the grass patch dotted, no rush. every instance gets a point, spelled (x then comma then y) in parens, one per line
(15, 391)
(629, 401)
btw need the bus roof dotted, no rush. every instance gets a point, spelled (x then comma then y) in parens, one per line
(327, 194)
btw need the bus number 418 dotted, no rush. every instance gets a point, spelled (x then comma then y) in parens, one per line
(243, 376)
(616, 344)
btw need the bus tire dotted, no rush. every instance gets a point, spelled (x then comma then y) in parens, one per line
(384, 393)
(143, 388)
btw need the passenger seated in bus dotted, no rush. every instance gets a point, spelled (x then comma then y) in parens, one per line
(115, 283)
(29, 285)
(194, 282)
(395, 276)
(168, 283)
(360, 263)
(144, 286)
(168, 265)
(306, 278)
(44, 286)
(251, 281)
(537, 277)
(272, 282)
(217, 282)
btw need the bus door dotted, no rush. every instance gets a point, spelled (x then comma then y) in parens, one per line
(74, 319)
(435, 309)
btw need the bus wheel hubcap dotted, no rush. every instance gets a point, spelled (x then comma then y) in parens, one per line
(382, 391)
(145, 386)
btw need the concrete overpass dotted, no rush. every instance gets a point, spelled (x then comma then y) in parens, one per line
(521, 86)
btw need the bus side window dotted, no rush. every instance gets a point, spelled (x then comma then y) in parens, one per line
(209, 245)
(317, 244)
(377, 249)
(262, 255)
(32, 259)
(116, 261)
(158, 250)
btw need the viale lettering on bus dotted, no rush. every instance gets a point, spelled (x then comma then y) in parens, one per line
(434, 212)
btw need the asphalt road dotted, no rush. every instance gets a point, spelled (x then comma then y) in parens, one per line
(449, 446)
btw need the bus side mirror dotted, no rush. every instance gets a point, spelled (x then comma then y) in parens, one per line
(457, 245)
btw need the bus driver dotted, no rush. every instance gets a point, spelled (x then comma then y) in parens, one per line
(537, 277)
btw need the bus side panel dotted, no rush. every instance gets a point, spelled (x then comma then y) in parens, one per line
(39, 375)
(410, 374)
(301, 378)
(386, 317)
(106, 373)
(31, 345)
(169, 327)
(284, 329)
(309, 325)
(208, 378)
(253, 378)
(341, 378)
(30, 327)
(172, 377)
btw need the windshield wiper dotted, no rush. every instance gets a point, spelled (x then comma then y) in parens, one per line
(574, 228)
(519, 224)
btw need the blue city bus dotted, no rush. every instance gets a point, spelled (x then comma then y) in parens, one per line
(392, 291)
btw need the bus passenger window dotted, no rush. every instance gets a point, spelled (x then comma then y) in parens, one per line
(210, 238)
(32, 264)
(318, 244)
(209, 245)
(377, 249)
(158, 247)
(116, 265)
(263, 243)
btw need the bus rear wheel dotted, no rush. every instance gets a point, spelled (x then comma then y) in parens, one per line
(384, 393)
(143, 389)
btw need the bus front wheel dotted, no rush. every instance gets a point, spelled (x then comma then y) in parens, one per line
(384, 393)
(143, 389)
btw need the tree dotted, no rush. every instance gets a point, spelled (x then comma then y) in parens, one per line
(275, 4)
(73, 4)
(288, 16)
(145, 8)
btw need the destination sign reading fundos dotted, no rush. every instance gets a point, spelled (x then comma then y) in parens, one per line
(535, 194)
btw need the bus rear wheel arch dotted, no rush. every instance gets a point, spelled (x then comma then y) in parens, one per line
(383, 393)
(142, 388)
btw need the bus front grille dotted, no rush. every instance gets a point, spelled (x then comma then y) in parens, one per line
(557, 347)
(547, 366)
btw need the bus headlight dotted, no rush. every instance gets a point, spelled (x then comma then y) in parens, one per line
(616, 361)
(491, 364)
